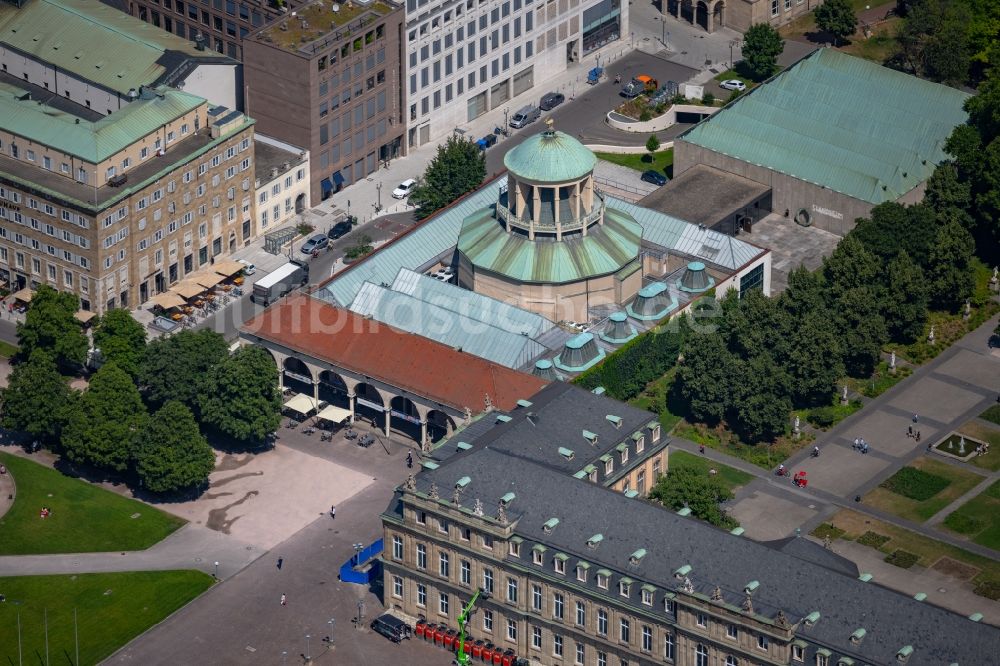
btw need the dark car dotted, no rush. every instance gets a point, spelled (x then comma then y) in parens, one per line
(317, 242)
(391, 627)
(340, 229)
(551, 100)
(654, 177)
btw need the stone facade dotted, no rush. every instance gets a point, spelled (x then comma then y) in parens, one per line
(738, 14)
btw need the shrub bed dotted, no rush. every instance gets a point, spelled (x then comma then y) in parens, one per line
(915, 483)
(827, 531)
(992, 414)
(873, 539)
(989, 589)
(964, 524)
(901, 559)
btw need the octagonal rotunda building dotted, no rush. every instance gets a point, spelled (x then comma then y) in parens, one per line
(551, 244)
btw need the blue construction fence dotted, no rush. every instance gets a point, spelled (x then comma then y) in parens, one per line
(355, 570)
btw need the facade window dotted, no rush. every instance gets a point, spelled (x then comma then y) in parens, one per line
(466, 572)
(443, 604)
(668, 647)
(558, 606)
(602, 581)
(602, 622)
(466, 534)
(609, 467)
(420, 515)
(581, 573)
(647, 638)
(512, 590)
(536, 556)
(487, 542)
(421, 556)
(731, 660)
(397, 547)
(647, 598)
(488, 580)
(536, 638)
(602, 659)
(701, 652)
(774, 7)
(822, 660)
(422, 595)
(487, 620)
(732, 631)
(443, 564)
(560, 565)
(581, 653)
(623, 588)
(512, 630)
(702, 620)
(536, 598)
(581, 613)
(514, 549)
(798, 653)
(669, 607)
(624, 630)
(557, 646)
(397, 587)
(762, 642)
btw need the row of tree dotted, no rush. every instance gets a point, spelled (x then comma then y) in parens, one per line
(149, 407)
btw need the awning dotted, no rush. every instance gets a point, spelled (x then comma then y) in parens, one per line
(326, 186)
(227, 267)
(301, 403)
(167, 300)
(188, 289)
(83, 316)
(337, 178)
(335, 414)
(206, 279)
(24, 295)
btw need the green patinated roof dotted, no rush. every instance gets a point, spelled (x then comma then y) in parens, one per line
(605, 249)
(96, 42)
(550, 157)
(92, 141)
(838, 121)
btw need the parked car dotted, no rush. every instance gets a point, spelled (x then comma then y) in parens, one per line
(317, 242)
(654, 177)
(391, 627)
(340, 229)
(733, 84)
(551, 100)
(661, 96)
(525, 116)
(248, 268)
(403, 189)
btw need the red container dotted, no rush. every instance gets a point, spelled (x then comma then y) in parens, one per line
(508, 658)
(497, 656)
(449, 639)
(429, 632)
(439, 634)
(419, 628)
(477, 648)
(467, 647)
(488, 653)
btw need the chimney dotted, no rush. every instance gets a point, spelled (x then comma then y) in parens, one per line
(274, 171)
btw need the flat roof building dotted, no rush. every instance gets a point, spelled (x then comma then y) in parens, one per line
(99, 57)
(831, 137)
(118, 208)
(328, 78)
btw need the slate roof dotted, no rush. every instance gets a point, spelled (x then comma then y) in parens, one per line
(410, 362)
(99, 43)
(841, 122)
(557, 418)
(605, 249)
(787, 582)
(92, 141)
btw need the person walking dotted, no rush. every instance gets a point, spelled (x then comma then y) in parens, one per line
(409, 459)
(284, 600)
(333, 512)
(281, 561)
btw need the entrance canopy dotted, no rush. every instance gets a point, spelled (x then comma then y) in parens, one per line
(335, 414)
(301, 403)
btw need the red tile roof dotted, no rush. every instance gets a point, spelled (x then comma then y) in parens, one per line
(404, 360)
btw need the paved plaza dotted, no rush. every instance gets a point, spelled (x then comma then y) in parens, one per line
(791, 245)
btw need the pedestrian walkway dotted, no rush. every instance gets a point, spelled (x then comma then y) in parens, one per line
(7, 492)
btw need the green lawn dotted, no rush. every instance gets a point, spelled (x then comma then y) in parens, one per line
(959, 482)
(992, 414)
(111, 609)
(663, 160)
(984, 433)
(6, 349)
(85, 518)
(765, 456)
(731, 477)
(979, 518)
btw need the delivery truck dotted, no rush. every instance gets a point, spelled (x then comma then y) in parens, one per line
(279, 282)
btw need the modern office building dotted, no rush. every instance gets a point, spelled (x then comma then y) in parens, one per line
(282, 182)
(219, 26)
(116, 208)
(327, 79)
(466, 58)
(98, 57)
(578, 572)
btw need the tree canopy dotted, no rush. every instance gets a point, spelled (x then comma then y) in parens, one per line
(171, 454)
(699, 492)
(121, 339)
(36, 398)
(102, 428)
(50, 324)
(240, 398)
(458, 167)
(761, 47)
(175, 367)
(949, 41)
(837, 18)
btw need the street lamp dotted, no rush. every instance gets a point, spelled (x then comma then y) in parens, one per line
(308, 652)
(732, 43)
(378, 188)
(505, 112)
(358, 547)
(216, 571)
(333, 623)
(361, 612)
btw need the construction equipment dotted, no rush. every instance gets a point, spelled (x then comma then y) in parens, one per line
(461, 658)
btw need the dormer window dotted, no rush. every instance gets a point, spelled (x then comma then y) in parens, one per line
(590, 437)
(603, 577)
(514, 547)
(654, 430)
(550, 525)
(640, 443)
(581, 572)
(798, 653)
(559, 563)
(537, 554)
(623, 450)
(858, 636)
(624, 586)
(647, 595)
(593, 541)
(616, 421)
(609, 466)
(593, 475)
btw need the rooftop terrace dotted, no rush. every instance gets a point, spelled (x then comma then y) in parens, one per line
(301, 29)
